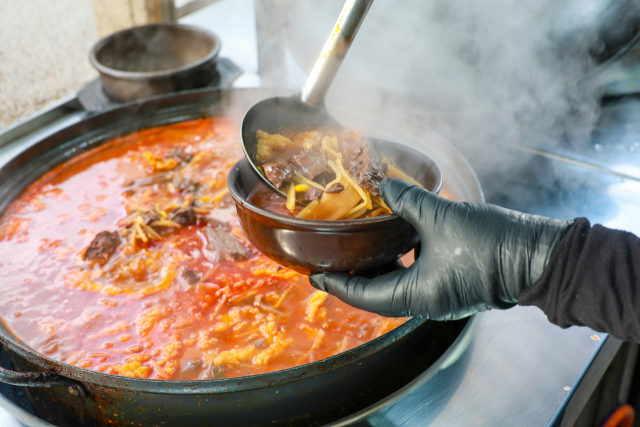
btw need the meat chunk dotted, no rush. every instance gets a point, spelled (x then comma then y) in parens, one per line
(186, 185)
(308, 166)
(362, 160)
(277, 172)
(181, 156)
(183, 216)
(102, 247)
(312, 193)
(224, 246)
(191, 276)
(158, 178)
(335, 188)
(150, 216)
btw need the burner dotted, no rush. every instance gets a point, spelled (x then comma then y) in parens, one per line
(93, 98)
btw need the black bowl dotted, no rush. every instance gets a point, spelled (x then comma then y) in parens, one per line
(310, 246)
(154, 59)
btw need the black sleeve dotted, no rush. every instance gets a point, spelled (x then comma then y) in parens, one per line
(592, 279)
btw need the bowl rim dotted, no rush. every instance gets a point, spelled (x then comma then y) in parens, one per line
(135, 75)
(312, 224)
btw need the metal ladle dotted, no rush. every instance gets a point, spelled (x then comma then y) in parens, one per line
(307, 107)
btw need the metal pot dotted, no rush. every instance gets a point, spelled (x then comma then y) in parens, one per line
(155, 59)
(311, 394)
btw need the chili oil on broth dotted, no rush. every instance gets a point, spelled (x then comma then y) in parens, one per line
(140, 313)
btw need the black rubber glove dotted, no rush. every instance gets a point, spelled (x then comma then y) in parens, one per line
(473, 257)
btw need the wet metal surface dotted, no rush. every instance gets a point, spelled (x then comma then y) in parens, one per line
(616, 143)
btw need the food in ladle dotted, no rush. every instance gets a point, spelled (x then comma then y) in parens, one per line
(130, 260)
(336, 172)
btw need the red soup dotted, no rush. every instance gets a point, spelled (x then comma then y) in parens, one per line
(130, 260)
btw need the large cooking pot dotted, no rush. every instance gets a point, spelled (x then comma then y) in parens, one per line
(155, 59)
(311, 394)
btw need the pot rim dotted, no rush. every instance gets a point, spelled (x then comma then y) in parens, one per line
(145, 75)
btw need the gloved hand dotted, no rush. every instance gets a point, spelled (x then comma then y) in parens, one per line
(473, 257)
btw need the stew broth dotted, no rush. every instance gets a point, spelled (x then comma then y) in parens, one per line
(130, 260)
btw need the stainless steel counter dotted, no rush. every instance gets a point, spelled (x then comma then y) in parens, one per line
(518, 370)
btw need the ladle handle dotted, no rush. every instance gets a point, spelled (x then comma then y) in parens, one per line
(334, 51)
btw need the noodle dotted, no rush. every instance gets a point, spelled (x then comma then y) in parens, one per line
(291, 197)
(140, 232)
(334, 140)
(304, 180)
(358, 208)
(326, 147)
(165, 223)
(219, 195)
(375, 212)
(395, 172)
(335, 206)
(381, 203)
(358, 213)
(352, 182)
(303, 213)
(333, 166)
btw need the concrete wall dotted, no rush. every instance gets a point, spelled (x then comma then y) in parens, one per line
(44, 47)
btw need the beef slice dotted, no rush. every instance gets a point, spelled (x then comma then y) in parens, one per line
(309, 166)
(224, 246)
(102, 247)
(363, 163)
(183, 216)
(277, 172)
(191, 276)
(186, 185)
(158, 178)
(312, 193)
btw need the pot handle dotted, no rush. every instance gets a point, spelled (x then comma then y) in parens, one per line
(40, 379)
(34, 379)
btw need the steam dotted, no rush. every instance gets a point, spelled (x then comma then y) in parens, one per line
(492, 73)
